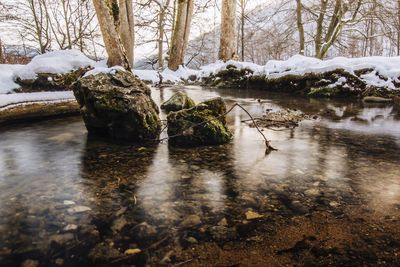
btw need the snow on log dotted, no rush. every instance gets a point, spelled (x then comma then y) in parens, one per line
(26, 106)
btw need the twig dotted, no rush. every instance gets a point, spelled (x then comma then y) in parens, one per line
(182, 263)
(269, 147)
(154, 245)
(251, 119)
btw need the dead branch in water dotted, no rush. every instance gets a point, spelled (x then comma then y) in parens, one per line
(267, 142)
(269, 147)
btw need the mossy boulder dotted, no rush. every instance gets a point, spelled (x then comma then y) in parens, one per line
(204, 124)
(119, 106)
(178, 101)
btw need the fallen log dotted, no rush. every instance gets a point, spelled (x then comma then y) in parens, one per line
(28, 111)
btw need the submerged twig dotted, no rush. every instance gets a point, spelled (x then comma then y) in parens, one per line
(183, 263)
(269, 147)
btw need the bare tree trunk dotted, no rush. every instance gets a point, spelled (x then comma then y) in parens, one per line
(126, 25)
(335, 26)
(300, 27)
(107, 14)
(161, 32)
(1, 52)
(161, 40)
(398, 27)
(180, 36)
(320, 24)
(65, 6)
(227, 48)
(242, 24)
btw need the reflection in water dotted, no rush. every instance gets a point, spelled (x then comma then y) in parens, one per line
(63, 195)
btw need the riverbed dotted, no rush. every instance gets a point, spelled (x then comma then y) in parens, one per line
(330, 195)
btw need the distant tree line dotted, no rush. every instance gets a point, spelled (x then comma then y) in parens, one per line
(274, 30)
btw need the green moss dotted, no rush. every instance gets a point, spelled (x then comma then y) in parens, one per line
(118, 106)
(325, 91)
(178, 102)
(201, 125)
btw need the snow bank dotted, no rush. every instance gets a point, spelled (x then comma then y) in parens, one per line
(99, 70)
(11, 99)
(385, 70)
(218, 66)
(152, 76)
(60, 62)
(167, 75)
(7, 83)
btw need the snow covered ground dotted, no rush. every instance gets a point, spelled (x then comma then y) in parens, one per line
(60, 62)
(14, 99)
(385, 71)
(7, 83)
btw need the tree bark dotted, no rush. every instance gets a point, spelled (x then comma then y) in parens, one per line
(227, 48)
(242, 25)
(180, 35)
(300, 27)
(161, 32)
(107, 12)
(126, 25)
(320, 24)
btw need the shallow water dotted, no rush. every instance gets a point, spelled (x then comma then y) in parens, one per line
(69, 200)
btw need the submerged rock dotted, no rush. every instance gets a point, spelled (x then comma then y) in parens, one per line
(119, 106)
(376, 99)
(132, 251)
(104, 253)
(30, 263)
(191, 221)
(204, 124)
(177, 102)
(252, 215)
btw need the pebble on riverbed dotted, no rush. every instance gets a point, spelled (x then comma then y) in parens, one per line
(251, 215)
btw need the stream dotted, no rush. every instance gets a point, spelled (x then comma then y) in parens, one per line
(330, 195)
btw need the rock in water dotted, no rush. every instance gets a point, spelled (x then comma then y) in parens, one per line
(177, 102)
(376, 99)
(119, 106)
(204, 124)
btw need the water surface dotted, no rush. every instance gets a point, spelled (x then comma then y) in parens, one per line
(329, 196)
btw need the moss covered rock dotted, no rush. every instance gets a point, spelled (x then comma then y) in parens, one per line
(119, 106)
(178, 101)
(204, 124)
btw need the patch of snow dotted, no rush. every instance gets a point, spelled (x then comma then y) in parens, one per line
(182, 73)
(99, 70)
(147, 75)
(218, 66)
(11, 99)
(7, 83)
(60, 62)
(168, 75)
(339, 82)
